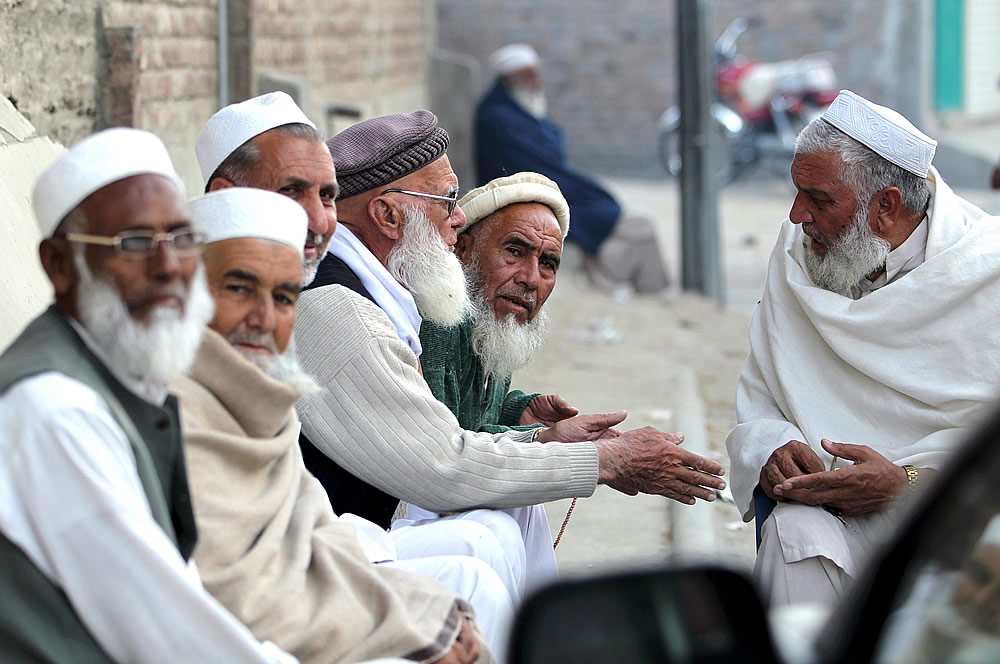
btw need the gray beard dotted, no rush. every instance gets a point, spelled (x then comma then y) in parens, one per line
(849, 259)
(148, 352)
(427, 267)
(502, 346)
(530, 100)
(284, 367)
(311, 265)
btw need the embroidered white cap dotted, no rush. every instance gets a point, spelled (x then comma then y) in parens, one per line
(236, 124)
(510, 189)
(512, 58)
(883, 130)
(93, 163)
(242, 212)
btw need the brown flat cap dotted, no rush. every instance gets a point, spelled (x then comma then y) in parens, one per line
(381, 150)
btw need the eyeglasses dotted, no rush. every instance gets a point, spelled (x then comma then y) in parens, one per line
(139, 244)
(452, 200)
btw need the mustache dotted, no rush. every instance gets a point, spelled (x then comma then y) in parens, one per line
(528, 297)
(314, 239)
(245, 335)
(137, 300)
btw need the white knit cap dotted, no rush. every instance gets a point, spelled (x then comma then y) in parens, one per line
(93, 163)
(236, 124)
(518, 188)
(241, 212)
(883, 130)
(512, 58)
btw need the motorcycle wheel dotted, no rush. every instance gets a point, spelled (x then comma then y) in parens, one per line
(729, 163)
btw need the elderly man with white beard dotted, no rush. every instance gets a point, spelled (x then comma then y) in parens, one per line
(872, 353)
(375, 418)
(96, 525)
(271, 549)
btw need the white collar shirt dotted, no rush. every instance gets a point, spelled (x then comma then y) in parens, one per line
(901, 260)
(72, 501)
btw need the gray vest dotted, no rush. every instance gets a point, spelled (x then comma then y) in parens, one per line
(37, 621)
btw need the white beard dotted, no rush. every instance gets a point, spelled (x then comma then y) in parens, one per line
(311, 265)
(849, 259)
(149, 352)
(282, 367)
(532, 100)
(427, 267)
(502, 346)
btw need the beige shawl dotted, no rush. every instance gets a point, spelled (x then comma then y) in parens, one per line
(269, 548)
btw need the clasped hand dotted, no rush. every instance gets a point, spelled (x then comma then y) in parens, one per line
(794, 472)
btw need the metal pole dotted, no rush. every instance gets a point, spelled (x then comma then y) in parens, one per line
(701, 268)
(223, 22)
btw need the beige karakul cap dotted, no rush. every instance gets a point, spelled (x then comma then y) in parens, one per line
(518, 188)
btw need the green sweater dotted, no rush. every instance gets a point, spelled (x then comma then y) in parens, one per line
(456, 377)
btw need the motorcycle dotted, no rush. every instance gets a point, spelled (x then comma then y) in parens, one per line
(759, 109)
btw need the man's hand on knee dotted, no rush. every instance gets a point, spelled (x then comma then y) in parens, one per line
(793, 459)
(869, 485)
(648, 460)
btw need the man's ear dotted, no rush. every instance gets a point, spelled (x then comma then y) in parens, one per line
(463, 245)
(219, 183)
(388, 218)
(888, 209)
(57, 261)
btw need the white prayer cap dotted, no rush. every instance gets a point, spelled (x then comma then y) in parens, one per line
(518, 188)
(236, 124)
(512, 58)
(93, 163)
(242, 212)
(883, 130)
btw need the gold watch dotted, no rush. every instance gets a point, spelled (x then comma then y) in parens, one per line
(912, 477)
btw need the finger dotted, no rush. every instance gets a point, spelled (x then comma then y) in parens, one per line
(807, 460)
(608, 420)
(700, 463)
(696, 479)
(611, 433)
(563, 406)
(846, 450)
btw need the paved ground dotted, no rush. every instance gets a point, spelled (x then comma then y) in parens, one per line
(663, 360)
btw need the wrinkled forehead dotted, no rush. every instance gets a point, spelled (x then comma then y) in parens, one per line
(527, 217)
(436, 177)
(269, 260)
(144, 200)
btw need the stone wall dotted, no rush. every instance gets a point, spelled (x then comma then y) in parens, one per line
(609, 67)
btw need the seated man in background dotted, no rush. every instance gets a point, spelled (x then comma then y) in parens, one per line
(872, 352)
(375, 416)
(514, 133)
(271, 548)
(96, 526)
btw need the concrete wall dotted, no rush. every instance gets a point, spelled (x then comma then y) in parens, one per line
(609, 67)
(23, 156)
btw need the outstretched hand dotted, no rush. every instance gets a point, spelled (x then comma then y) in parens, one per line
(868, 485)
(547, 409)
(648, 460)
(583, 427)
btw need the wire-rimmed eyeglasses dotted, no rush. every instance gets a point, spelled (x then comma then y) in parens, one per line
(452, 200)
(138, 244)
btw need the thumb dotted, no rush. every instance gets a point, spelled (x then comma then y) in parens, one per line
(844, 450)
(611, 419)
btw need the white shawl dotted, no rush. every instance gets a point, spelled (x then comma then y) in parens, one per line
(906, 370)
(390, 296)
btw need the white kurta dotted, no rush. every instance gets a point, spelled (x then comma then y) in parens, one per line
(71, 499)
(907, 370)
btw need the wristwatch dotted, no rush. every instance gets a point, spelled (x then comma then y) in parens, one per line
(912, 477)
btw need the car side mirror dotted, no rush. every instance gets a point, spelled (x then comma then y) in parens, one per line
(694, 615)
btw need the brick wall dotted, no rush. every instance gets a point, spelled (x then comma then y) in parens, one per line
(609, 66)
(73, 66)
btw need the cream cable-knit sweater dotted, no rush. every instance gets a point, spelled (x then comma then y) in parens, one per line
(376, 417)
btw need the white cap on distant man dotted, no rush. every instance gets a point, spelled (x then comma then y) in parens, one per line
(518, 188)
(242, 212)
(93, 163)
(236, 124)
(882, 129)
(512, 58)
